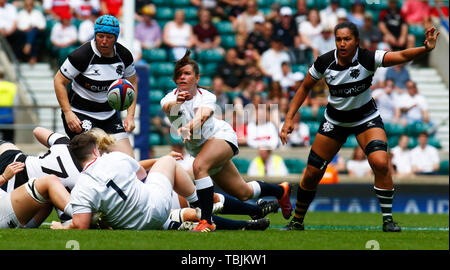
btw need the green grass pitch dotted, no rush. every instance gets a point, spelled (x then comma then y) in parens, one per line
(324, 231)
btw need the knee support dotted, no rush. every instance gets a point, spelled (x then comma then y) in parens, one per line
(375, 145)
(316, 161)
(31, 189)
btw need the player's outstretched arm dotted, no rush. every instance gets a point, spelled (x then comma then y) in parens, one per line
(400, 57)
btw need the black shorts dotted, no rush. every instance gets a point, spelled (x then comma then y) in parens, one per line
(341, 134)
(7, 158)
(112, 125)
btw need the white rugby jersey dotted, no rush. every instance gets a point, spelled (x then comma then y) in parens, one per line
(109, 185)
(350, 102)
(58, 161)
(91, 75)
(203, 98)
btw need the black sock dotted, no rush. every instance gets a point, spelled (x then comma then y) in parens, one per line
(304, 199)
(385, 197)
(270, 190)
(233, 206)
(228, 224)
(205, 194)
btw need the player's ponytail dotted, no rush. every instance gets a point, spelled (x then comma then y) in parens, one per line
(104, 140)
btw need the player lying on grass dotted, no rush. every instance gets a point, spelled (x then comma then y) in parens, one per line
(22, 204)
(110, 184)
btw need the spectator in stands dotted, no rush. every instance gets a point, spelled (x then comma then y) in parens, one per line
(234, 8)
(148, 32)
(368, 31)
(215, 8)
(206, 35)
(272, 59)
(273, 16)
(111, 7)
(401, 157)
(356, 14)
(300, 136)
(86, 28)
(288, 80)
(64, 33)
(425, 157)
(393, 26)
(8, 27)
(256, 40)
(219, 89)
(329, 15)
(178, 35)
(414, 107)
(84, 8)
(311, 29)
(342, 16)
(324, 43)
(318, 97)
(244, 22)
(302, 12)
(287, 29)
(261, 131)
(135, 47)
(387, 102)
(231, 72)
(8, 92)
(54, 9)
(416, 12)
(31, 22)
(358, 166)
(240, 49)
(267, 164)
(399, 74)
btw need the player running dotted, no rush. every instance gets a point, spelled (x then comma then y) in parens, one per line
(348, 72)
(92, 68)
(213, 143)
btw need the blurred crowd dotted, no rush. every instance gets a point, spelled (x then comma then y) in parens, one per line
(269, 57)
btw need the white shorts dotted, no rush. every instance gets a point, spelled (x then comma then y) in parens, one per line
(159, 192)
(224, 132)
(8, 218)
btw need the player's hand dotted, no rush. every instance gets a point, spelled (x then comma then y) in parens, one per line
(129, 124)
(73, 122)
(12, 169)
(287, 128)
(176, 155)
(184, 133)
(182, 96)
(430, 38)
(56, 225)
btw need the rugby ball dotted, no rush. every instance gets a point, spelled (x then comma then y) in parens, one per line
(120, 94)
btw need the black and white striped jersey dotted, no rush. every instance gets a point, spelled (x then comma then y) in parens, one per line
(91, 75)
(58, 161)
(350, 101)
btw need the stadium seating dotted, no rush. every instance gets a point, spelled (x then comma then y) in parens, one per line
(295, 166)
(241, 164)
(444, 167)
(154, 139)
(154, 55)
(155, 95)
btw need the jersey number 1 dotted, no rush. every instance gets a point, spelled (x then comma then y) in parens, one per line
(117, 189)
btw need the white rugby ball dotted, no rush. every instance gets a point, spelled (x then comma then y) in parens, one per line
(120, 94)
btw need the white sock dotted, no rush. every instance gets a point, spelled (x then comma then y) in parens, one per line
(256, 189)
(192, 198)
(68, 210)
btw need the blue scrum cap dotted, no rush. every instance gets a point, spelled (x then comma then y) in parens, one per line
(107, 24)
